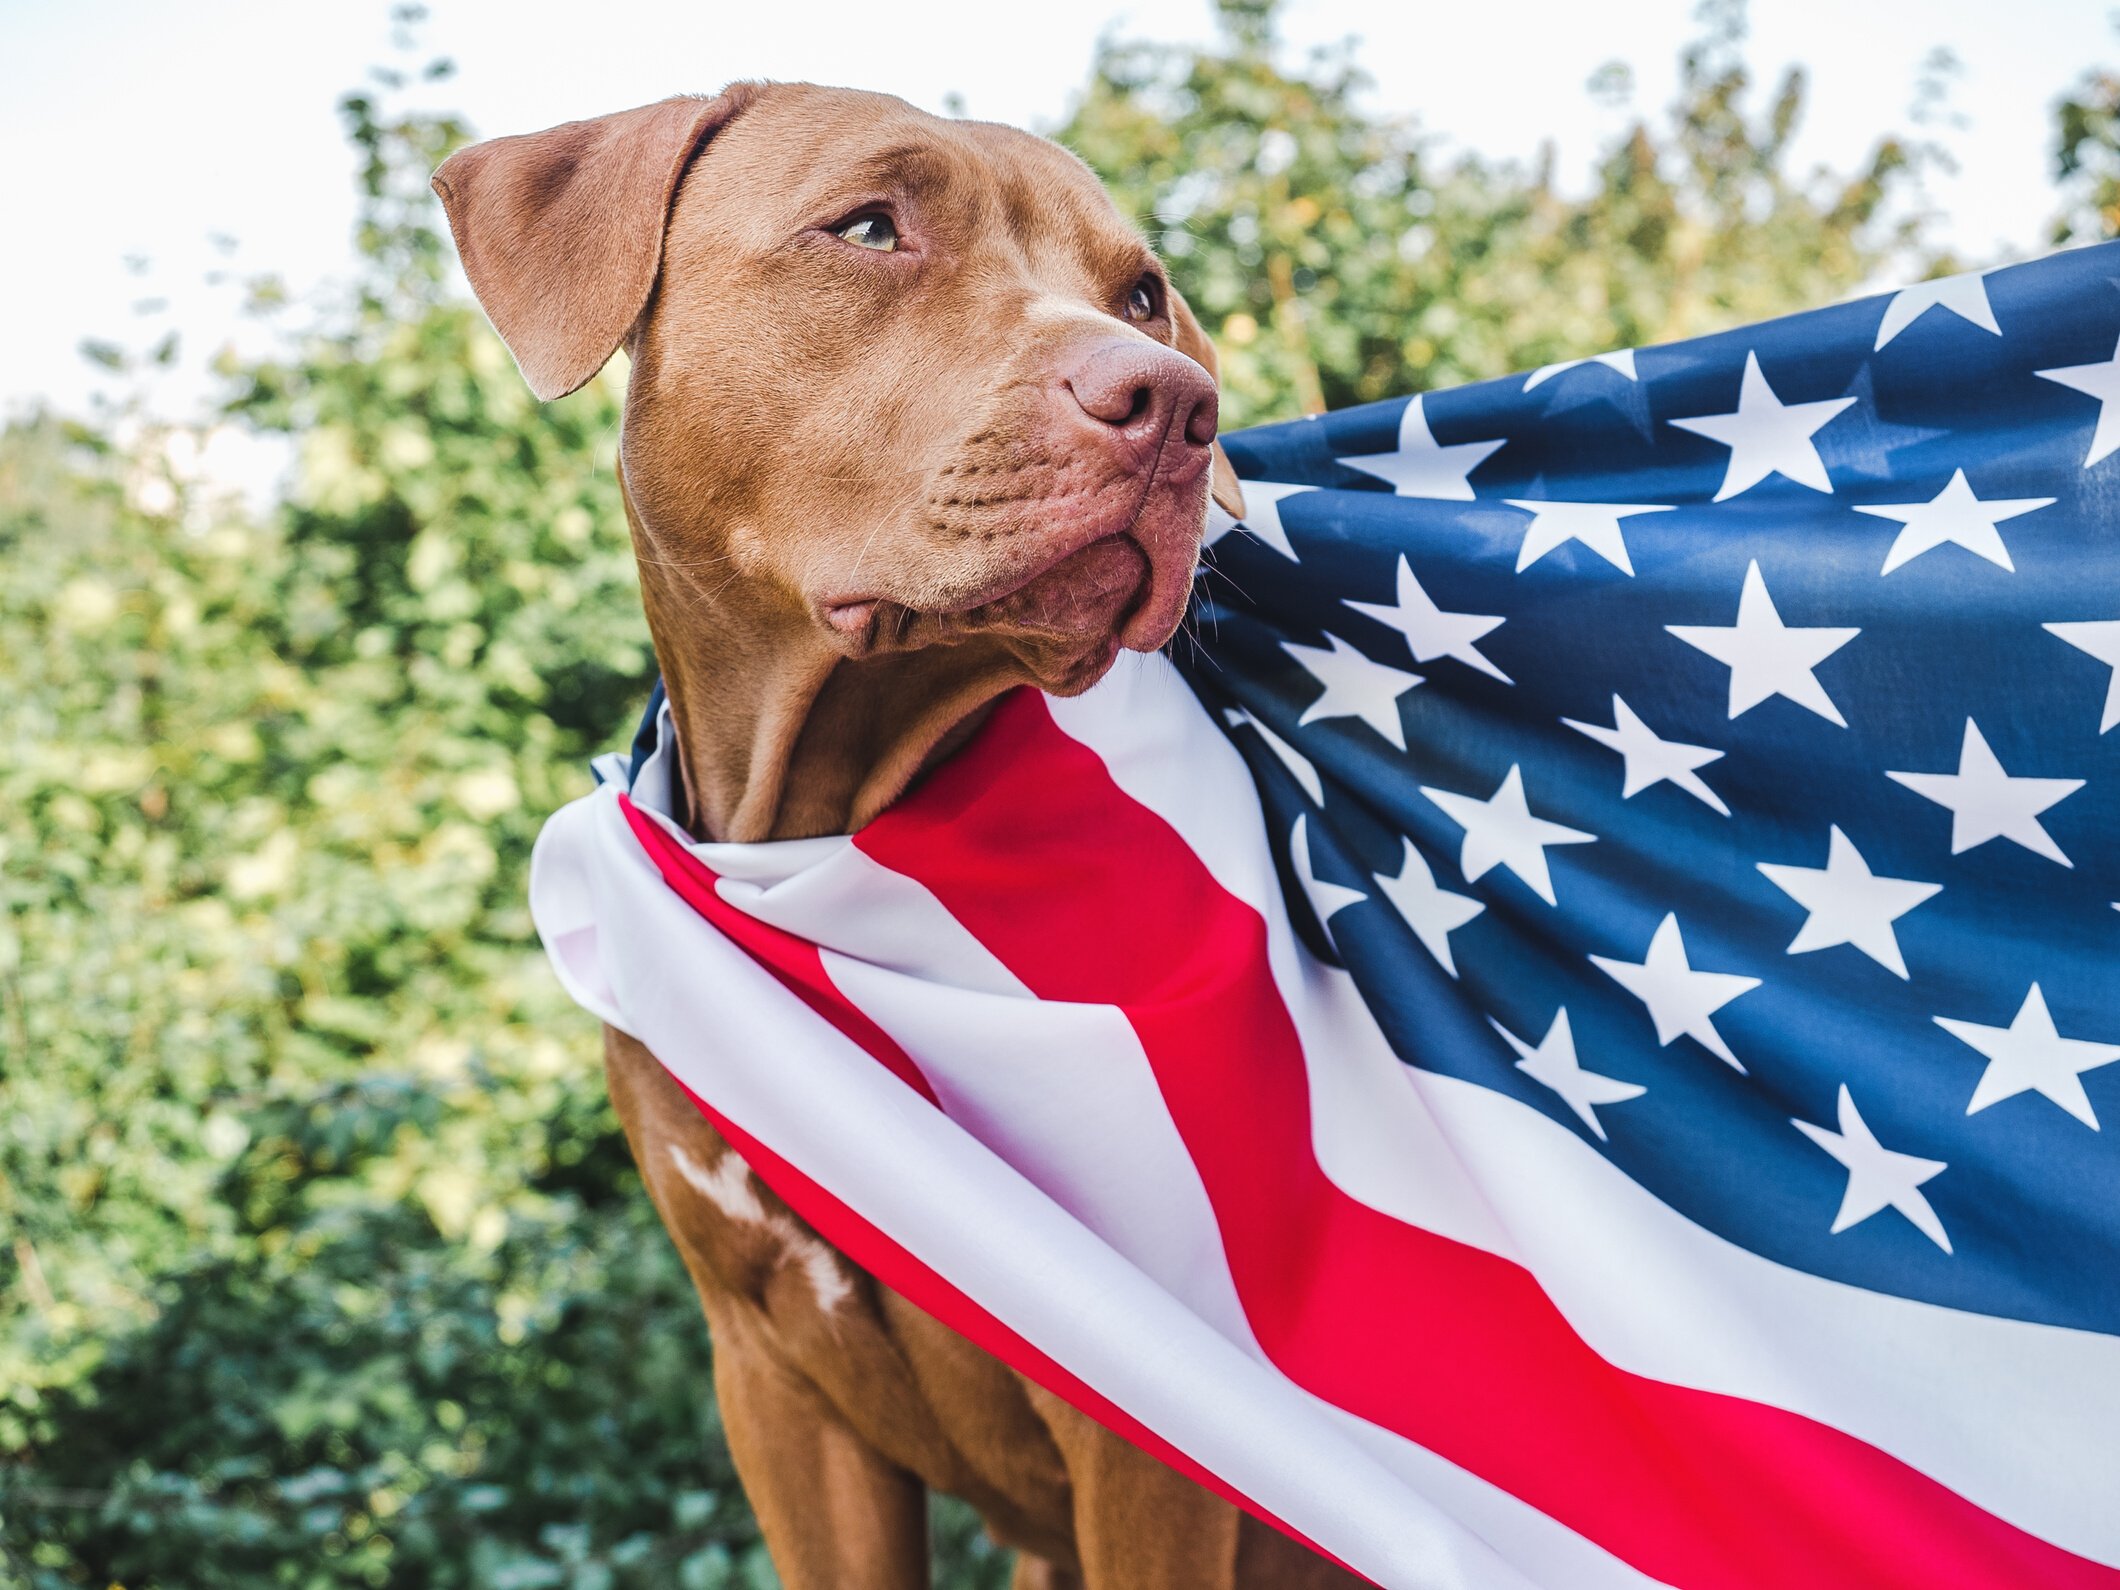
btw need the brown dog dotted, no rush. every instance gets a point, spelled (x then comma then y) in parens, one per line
(914, 417)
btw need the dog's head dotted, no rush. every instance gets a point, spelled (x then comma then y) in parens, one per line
(916, 380)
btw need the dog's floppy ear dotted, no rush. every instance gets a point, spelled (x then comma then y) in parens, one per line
(1194, 344)
(561, 231)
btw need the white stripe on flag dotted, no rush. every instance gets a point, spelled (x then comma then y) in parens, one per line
(1079, 1101)
(1071, 1100)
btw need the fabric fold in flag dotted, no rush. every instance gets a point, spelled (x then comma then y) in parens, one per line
(1529, 1050)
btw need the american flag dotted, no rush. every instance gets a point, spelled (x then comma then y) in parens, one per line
(1567, 1035)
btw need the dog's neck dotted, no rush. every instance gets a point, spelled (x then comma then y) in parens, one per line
(779, 734)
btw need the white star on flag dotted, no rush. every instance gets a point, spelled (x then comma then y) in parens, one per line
(2101, 639)
(2101, 381)
(1500, 831)
(1680, 999)
(1262, 516)
(1767, 657)
(1553, 1064)
(1430, 631)
(1878, 1178)
(1986, 803)
(1651, 760)
(1849, 904)
(1594, 524)
(1325, 898)
(1964, 296)
(1767, 436)
(1422, 466)
(1299, 766)
(1953, 515)
(2030, 1056)
(1356, 686)
(1621, 359)
(1433, 913)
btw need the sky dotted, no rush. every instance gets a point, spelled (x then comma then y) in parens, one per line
(137, 130)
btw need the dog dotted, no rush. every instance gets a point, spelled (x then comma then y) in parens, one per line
(914, 417)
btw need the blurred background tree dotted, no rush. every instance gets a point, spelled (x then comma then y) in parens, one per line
(2087, 159)
(324, 1263)
(1337, 259)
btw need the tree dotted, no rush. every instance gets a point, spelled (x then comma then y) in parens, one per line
(1337, 258)
(2087, 159)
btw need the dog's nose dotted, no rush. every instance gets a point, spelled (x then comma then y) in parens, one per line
(1143, 392)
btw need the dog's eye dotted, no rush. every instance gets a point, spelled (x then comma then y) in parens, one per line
(873, 230)
(1141, 302)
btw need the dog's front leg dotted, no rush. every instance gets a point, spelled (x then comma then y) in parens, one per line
(1139, 1525)
(836, 1515)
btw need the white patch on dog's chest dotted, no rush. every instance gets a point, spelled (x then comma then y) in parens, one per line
(727, 1186)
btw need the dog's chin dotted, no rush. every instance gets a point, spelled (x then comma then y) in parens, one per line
(1064, 624)
(1067, 617)
(1091, 592)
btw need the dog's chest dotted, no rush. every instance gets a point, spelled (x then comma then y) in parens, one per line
(754, 1241)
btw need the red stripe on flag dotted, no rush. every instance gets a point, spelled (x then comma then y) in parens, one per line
(1457, 1349)
(799, 968)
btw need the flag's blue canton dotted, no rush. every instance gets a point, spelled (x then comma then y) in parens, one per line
(1864, 683)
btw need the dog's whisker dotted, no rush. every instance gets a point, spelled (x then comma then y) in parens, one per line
(854, 576)
(681, 564)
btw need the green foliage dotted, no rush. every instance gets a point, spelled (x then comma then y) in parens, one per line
(1337, 259)
(331, 1268)
(321, 1260)
(2087, 158)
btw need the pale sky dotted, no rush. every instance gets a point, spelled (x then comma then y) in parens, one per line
(129, 127)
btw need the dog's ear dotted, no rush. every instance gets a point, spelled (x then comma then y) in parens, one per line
(561, 231)
(1194, 344)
